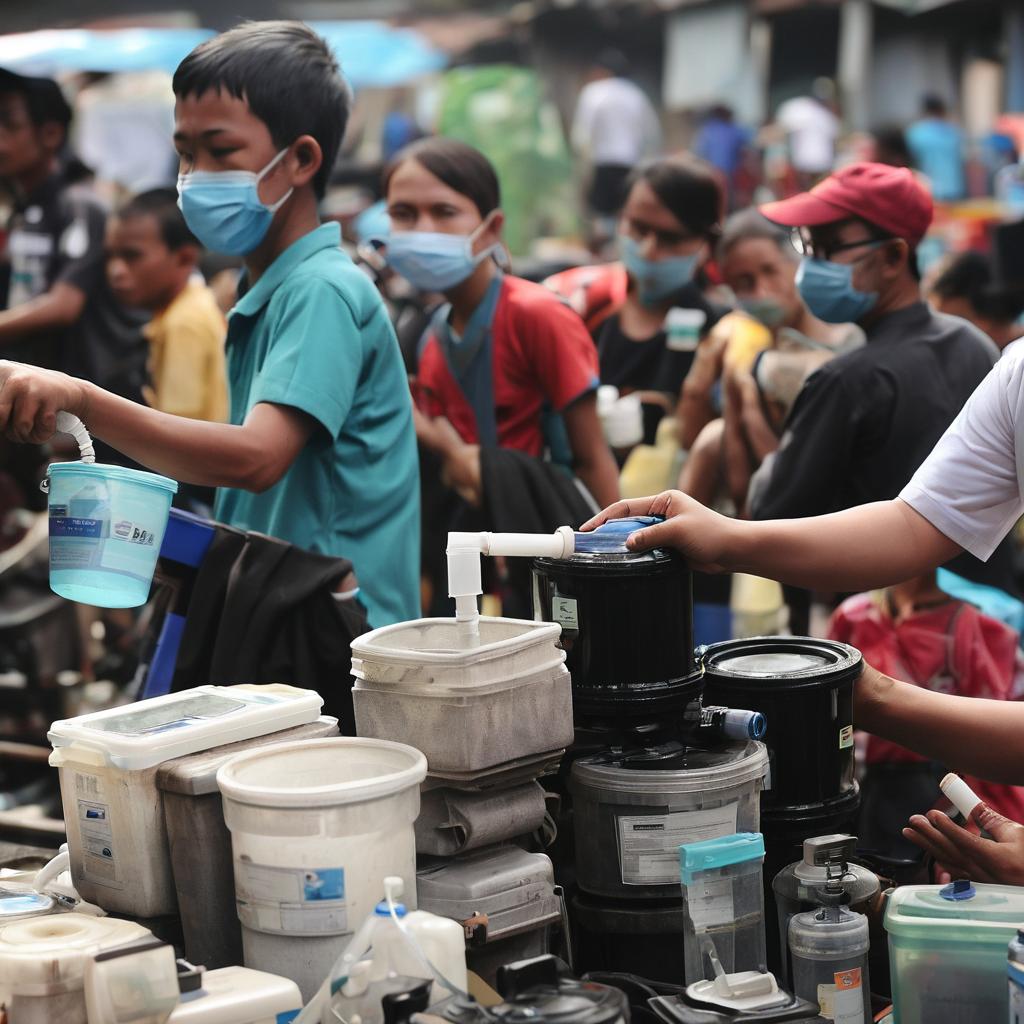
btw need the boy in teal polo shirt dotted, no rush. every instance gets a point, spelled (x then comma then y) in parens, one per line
(320, 450)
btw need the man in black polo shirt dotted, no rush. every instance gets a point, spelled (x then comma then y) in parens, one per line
(58, 312)
(864, 422)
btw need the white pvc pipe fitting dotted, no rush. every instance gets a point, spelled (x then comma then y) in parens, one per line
(959, 794)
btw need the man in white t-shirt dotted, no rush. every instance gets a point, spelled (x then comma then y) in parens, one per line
(811, 128)
(966, 496)
(614, 128)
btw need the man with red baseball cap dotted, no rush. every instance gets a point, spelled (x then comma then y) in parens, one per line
(865, 421)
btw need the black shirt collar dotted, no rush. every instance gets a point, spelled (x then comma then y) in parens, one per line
(917, 314)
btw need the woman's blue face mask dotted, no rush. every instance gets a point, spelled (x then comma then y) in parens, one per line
(656, 280)
(223, 209)
(433, 261)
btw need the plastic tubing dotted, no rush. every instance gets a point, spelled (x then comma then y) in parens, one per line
(312, 1012)
(68, 424)
(51, 869)
(959, 794)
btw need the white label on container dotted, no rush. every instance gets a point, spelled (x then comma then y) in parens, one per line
(564, 612)
(710, 903)
(843, 1001)
(291, 900)
(97, 835)
(649, 845)
(846, 737)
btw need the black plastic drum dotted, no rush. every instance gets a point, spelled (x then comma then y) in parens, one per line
(627, 629)
(804, 688)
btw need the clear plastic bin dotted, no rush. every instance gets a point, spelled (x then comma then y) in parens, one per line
(947, 951)
(723, 905)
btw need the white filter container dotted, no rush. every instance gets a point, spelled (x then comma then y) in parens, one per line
(467, 709)
(108, 761)
(316, 826)
(237, 995)
(43, 963)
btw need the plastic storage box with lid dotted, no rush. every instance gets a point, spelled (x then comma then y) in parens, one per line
(467, 708)
(723, 904)
(633, 809)
(43, 963)
(200, 844)
(947, 951)
(503, 895)
(108, 762)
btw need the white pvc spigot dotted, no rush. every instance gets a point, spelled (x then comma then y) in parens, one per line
(465, 581)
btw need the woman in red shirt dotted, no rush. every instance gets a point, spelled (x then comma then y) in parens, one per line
(503, 354)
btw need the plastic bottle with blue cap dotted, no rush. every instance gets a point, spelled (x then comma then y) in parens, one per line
(393, 949)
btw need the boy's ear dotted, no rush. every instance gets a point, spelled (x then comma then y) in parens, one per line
(308, 159)
(187, 256)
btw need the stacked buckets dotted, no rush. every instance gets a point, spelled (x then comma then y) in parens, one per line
(638, 782)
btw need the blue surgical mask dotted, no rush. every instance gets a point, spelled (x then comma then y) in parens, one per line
(769, 312)
(656, 280)
(223, 209)
(827, 289)
(433, 261)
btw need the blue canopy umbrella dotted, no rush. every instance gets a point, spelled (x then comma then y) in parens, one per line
(375, 54)
(51, 51)
(371, 53)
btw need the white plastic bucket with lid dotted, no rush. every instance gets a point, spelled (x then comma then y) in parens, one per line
(106, 527)
(43, 962)
(316, 826)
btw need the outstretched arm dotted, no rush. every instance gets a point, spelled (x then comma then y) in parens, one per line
(968, 734)
(857, 549)
(253, 456)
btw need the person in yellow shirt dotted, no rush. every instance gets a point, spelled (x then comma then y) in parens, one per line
(151, 265)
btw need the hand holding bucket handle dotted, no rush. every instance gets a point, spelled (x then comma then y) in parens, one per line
(68, 424)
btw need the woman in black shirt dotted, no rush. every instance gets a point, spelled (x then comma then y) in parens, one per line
(667, 230)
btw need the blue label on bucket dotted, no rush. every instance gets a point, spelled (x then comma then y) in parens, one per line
(324, 884)
(70, 526)
(287, 1016)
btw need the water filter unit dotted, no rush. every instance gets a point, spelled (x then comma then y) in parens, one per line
(829, 951)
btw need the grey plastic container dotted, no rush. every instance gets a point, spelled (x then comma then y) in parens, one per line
(505, 898)
(200, 844)
(468, 709)
(630, 821)
(829, 955)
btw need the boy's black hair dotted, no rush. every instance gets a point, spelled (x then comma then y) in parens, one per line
(162, 205)
(460, 167)
(970, 276)
(44, 101)
(688, 188)
(287, 75)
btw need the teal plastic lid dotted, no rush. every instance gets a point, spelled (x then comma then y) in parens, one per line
(100, 469)
(710, 854)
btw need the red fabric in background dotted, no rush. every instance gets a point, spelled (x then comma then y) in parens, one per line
(953, 648)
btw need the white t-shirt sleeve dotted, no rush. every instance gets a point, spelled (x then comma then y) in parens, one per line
(968, 486)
